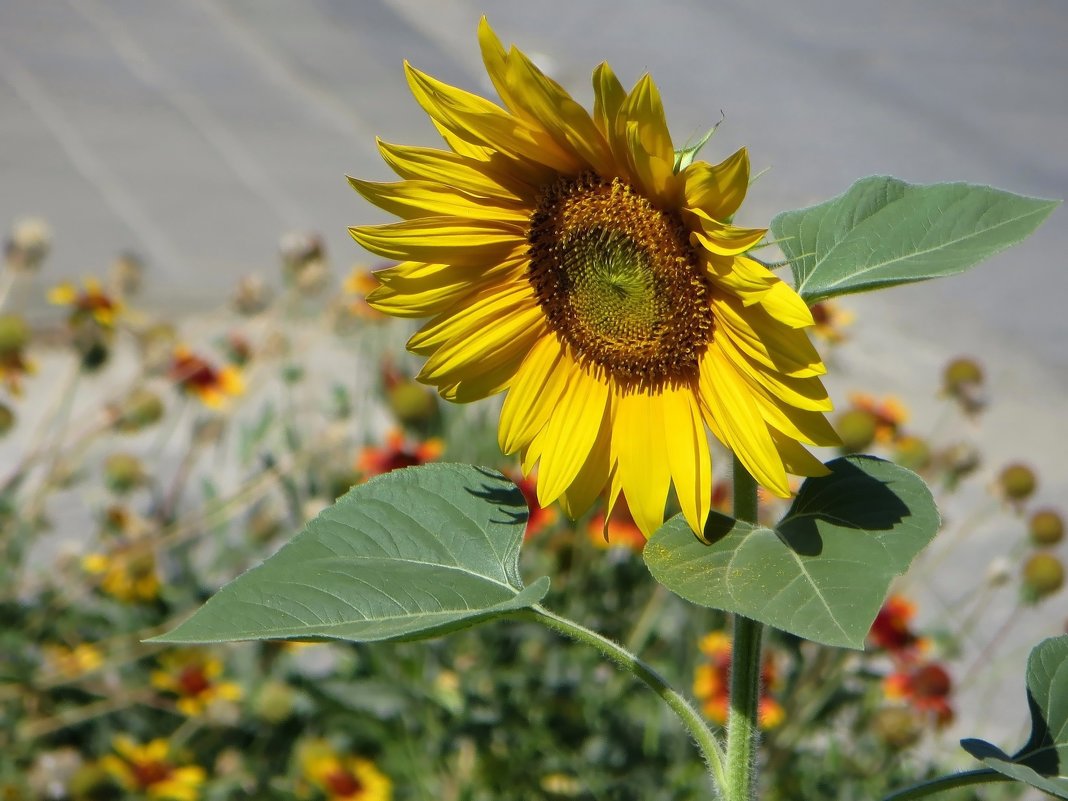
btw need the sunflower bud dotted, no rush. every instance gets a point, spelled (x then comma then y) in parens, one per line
(1046, 528)
(912, 452)
(856, 427)
(897, 726)
(414, 405)
(1043, 575)
(14, 334)
(123, 472)
(1017, 482)
(961, 375)
(7, 418)
(251, 295)
(28, 244)
(274, 702)
(140, 409)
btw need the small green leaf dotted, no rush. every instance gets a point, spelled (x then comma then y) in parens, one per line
(684, 157)
(415, 553)
(884, 232)
(824, 571)
(1043, 761)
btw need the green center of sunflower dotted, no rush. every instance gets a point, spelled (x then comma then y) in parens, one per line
(618, 280)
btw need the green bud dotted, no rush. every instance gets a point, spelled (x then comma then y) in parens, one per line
(960, 375)
(412, 404)
(274, 702)
(7, 418)
(14, 333)
(912, 452)
(140, 409)
(1046, 528)
(1017, 482)
(856, 427)
(1043, 575)
(897, 726)
(123, 472)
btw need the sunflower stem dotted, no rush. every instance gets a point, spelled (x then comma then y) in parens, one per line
(690, 717)
(742, 726)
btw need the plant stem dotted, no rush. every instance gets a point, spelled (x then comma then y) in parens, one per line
(943, 783)
(742, 726)
(689, 716)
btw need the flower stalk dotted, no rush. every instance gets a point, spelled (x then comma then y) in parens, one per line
(742, 721)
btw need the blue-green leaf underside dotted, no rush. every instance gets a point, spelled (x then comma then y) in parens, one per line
(1043, 761)
(823, 572)
(883, 231)
(412, 554)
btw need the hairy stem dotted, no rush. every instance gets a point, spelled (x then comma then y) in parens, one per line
(689, 716)
(742, 726)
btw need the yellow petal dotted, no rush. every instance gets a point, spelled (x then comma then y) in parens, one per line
(644, 471)
(452, 240)
(410, 200)
(653, 174)
(717, 190)
(571, 432)
(803, 393)
(534, 395)
(471, 353)
(451, 169)
(478, 121)
(567, 122)
(477, 317)
(688, 454)
(644, 107)
(766, 340)
(594, 474)
(608, 99)
(728, 401)
(723, 239)
(796, 459)
(63, 294)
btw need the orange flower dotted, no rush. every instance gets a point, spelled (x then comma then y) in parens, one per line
(193, 676)
(397, 453)
(89, 303)
(711, 683)
(357, 285)
(194, 375)
(540, 517)
(830, 319)
(889, 415)
(619, 530)
(890, 630)
(926, 688)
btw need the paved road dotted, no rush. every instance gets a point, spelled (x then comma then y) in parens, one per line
(198, 131)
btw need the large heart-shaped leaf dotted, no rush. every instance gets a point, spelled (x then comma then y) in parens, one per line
(884, 231)
(415, 553)
(1043, 762)
(824, 571)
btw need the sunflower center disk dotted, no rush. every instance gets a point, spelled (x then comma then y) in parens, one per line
(619, 281)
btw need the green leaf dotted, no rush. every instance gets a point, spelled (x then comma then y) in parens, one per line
(884, 232)
(415, 553)
(1043, 761)
(684, 157)
(824, 571)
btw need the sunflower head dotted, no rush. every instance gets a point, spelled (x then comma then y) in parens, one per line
(568, 258)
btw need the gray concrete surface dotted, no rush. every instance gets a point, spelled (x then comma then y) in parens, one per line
(198, 131)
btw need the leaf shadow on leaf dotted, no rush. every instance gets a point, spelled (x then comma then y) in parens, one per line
(1040, 753)
(507, 500)
(860, 501)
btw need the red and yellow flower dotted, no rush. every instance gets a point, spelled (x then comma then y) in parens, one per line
(926, 687)
(151, 770)
(711, 683)
(212, 385)
(89, 303)
(397, 452)
(342, 777)
(193, 676)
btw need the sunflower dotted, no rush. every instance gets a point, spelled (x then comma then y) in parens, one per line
(576, 261)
